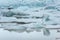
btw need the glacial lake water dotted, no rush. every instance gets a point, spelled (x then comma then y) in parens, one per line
(11, 35)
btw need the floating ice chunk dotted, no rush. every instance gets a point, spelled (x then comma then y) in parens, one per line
(13, 26)
(7, 19)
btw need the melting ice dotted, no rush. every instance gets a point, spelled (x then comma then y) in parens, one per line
(29, 15)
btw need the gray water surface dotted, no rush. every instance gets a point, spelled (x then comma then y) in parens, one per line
(7, 35)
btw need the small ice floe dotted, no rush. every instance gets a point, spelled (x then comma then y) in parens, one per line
(51, 19)
(11, 14)
(50, 23)
(7, 19)
(8, 26)
(16, 29)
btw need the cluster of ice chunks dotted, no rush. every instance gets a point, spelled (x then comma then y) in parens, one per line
(11, 14)
(51, 18)
(25, 28)
(48, 18)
